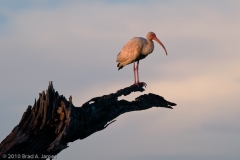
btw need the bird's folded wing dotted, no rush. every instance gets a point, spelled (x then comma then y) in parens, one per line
(130, 51)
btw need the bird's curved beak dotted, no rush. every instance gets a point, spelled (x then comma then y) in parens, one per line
(156, 39)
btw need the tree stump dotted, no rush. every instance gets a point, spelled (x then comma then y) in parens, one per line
(46, 128)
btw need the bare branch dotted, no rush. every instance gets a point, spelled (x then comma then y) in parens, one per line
(52, 122)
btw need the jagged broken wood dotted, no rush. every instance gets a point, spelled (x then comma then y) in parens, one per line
(52, 122)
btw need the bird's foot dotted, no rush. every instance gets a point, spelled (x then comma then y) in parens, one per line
(143, 83)
(140, 84)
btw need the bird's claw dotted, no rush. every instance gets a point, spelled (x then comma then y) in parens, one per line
(143, 84)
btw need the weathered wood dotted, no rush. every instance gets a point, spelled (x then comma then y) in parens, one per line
(52, 122)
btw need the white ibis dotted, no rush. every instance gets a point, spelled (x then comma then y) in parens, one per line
(135, 50)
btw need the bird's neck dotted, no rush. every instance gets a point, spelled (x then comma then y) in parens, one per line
(148, 48)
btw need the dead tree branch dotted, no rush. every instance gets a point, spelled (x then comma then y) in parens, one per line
(52, 122)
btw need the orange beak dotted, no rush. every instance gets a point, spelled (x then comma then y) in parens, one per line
(156, 39)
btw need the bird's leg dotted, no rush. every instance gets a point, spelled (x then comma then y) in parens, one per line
(137, 72)
(138, 81)
(134, 70)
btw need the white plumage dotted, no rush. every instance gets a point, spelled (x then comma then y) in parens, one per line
(135, 50)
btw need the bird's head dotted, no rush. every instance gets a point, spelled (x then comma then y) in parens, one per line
(152, 36)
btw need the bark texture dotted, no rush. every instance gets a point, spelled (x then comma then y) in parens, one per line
(53, 121)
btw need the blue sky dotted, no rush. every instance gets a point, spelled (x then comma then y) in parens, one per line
(75, 44)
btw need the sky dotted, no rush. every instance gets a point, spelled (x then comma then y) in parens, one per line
(75, 45)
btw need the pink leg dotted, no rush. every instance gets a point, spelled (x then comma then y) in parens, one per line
(134, 70)
(137, 72)
(137, 75)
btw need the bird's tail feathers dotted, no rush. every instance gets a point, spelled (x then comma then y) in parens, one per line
(119, 67)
